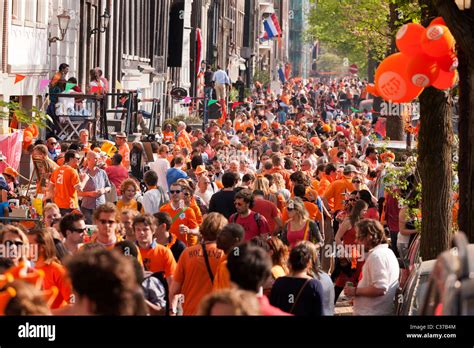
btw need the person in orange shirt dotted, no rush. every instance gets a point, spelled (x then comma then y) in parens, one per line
(65, 182)
(312, 209)
(123, 149)
(327, 176)
(337, 192)
(228, 238)
(197, 267)
(55, 273)
(168, 134)
(183, 137)
(277, 163)
(156, 257)
(84, 140)
(184, 223)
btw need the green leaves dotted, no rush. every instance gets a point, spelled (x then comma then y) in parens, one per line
(33, 116)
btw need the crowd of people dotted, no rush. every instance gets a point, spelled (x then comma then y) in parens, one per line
(277, 210)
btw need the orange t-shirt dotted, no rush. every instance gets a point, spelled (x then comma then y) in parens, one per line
(313, 211)
(222, 278)
(168, 137)
(65, 179)
(55, 275)
(187, 218)
(284, 173)
(336, 191)
(183, 140)
(192, 273)
(124, 150)
(158, 259)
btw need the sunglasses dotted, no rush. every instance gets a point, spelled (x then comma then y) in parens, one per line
(175, 192)
(80, 230)
(107, 222)
(9, 243)
(238, 204)
(356, 181)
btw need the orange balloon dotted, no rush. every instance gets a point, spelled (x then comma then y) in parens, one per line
(392, 80)
(438, 41)
(438, 21)
(409, 38)
(27, 137)
(34, 130)
(449, 62)
(372, 89)
(422, 70)
(446, 79)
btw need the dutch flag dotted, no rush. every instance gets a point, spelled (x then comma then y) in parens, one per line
(272, 28)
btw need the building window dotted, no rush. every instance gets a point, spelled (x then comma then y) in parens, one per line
(30, 11)
(16, 10)
(41, 11)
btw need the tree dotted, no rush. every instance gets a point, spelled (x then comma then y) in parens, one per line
(461, 24)
(435, 143)
(329, 62)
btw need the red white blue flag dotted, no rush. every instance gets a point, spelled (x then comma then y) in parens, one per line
(272, 28)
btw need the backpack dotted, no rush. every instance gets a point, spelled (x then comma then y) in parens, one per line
(164, 197)
(257, 217)
(161, 277)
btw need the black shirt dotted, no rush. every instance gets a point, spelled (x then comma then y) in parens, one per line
(285, 292)
(223, 202)
(177, 248)
(208, 76)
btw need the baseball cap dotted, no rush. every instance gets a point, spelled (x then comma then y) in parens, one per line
(350, 169)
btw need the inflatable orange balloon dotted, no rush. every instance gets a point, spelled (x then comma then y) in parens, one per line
(449, 62)
(372, 89)
(438, 41)
(446, 79)
(423, 70)
(409, 38)
(438, 21)
(392, 80)
(27, 137)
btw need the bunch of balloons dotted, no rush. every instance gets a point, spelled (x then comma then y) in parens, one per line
(29, 134)
(427, 58)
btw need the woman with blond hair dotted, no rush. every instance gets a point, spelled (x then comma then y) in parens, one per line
(279, 188)
(15, 243)
(197, 267)
(262, 184)
(300, 227)
(55, 273)
(279, 254)
(317, 273)
(129, 189)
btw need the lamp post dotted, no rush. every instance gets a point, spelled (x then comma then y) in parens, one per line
(103, 25)
(63, 22)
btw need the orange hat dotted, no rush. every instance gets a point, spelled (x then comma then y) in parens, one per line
(327, 128)
(10, 171)
(316, 141)
(200, 169)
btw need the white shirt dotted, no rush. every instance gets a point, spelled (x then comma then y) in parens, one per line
(220, 76)
(160, 167)
(151, 201)
(380, 270)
